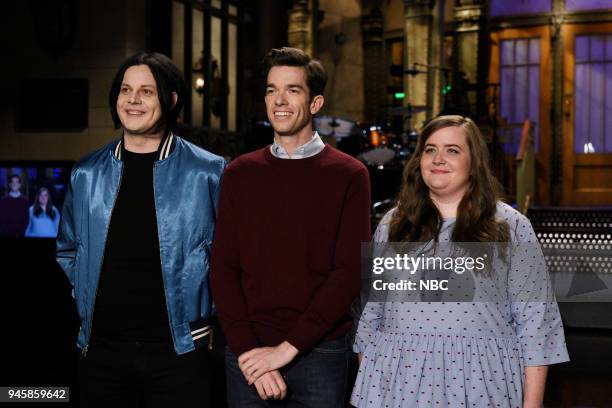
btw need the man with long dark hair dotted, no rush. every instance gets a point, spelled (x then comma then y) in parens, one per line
(286, 257)
(134, 240)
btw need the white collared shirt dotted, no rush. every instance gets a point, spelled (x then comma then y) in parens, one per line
(308, 149)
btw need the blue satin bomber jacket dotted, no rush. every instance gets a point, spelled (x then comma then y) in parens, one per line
(186, 183)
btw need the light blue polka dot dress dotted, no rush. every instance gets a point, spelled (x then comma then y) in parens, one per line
(459, 354)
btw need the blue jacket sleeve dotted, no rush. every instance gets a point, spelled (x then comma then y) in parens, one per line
(56, 221)
(66, 244)
(217, 187)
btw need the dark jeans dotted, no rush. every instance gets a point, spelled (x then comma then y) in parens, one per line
(136, 374)
(317, 379)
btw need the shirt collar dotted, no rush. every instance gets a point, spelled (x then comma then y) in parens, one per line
(166, 146)
(308, 149)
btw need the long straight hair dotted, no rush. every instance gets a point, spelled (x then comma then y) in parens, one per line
(48, 209)
(418, 219)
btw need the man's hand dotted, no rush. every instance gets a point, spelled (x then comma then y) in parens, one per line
(271, 385)
(261, 360)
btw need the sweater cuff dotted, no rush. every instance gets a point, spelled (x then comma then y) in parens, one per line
(242, 339)
(305, 335)
(301, 343)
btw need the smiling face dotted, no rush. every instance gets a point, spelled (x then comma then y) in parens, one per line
(445, 162)
(138, 104)
(288, 103)
(15, 184)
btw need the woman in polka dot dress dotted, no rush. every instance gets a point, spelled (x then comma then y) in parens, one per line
(490, 353)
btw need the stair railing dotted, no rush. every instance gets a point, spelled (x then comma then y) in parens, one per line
(525, 168)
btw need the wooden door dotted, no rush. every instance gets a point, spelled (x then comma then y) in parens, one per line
(521, 63)
(587, 114)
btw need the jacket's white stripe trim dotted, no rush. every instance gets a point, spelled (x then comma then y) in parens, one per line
(168, 145)
(118, 150)
(199, 330)
(201, 335)
(161, 151)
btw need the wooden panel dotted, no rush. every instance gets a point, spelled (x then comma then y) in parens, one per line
(593, 178)
(592, 160)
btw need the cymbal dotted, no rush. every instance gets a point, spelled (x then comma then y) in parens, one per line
(334, 126)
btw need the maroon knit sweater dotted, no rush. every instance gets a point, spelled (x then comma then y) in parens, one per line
(286, 254)
(14, 216)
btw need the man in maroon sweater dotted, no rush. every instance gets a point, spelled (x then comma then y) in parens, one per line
(286, 254)
(14, 206)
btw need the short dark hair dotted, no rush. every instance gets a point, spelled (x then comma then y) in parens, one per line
(168, 79)
(316, 77)
(12, 176)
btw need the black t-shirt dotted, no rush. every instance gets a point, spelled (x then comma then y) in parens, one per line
(131, 303)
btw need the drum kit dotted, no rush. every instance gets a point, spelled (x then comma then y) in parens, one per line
(384, 140)
(375, 144)
(381, 148)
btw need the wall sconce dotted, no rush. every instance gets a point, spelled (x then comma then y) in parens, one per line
(198, 68)
(199, 87)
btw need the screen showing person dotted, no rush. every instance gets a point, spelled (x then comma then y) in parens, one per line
(43, 216)
(13, 208)
(31, 197)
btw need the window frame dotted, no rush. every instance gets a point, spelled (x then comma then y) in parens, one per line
(209, 11)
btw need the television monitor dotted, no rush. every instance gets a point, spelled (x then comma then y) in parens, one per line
(31, 197)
